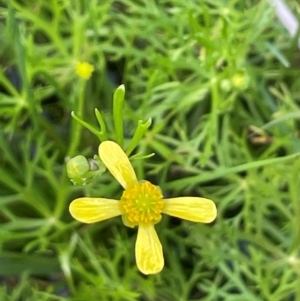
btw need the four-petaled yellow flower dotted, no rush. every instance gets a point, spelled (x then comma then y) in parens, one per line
(84, 70)
(141, 205)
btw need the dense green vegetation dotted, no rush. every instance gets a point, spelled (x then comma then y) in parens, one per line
(220, 80)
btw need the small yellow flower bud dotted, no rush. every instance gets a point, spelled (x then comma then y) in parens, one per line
(84, 70)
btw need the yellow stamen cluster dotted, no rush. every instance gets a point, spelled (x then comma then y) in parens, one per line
(84, 70)
(142, 203)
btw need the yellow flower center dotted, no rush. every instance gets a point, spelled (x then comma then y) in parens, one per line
(142, 203)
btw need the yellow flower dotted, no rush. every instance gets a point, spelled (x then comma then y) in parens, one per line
(84, 70)
(141, 205)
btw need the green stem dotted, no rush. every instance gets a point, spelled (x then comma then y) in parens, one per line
(76, 127)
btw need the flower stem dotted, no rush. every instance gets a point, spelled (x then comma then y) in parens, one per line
(76, 126)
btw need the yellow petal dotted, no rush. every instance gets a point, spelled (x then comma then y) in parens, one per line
(127, 222)
(191, 208)
(92, 210)
(148, 251)
(117, 163)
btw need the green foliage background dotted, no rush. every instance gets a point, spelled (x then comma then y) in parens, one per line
(220, 79)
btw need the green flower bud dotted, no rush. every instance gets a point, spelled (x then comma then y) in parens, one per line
(226, 85)
(82, 171)
(240, 80)
(77, 167)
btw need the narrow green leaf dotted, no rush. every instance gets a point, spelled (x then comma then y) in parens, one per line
(118, 103)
